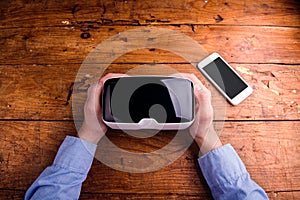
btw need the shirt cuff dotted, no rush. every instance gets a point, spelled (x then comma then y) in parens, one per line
(75, 154)
(91, 147)
(221, 165)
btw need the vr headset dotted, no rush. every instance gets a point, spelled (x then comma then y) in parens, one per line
(148, 102)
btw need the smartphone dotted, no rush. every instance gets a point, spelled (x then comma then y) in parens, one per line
(229, 83)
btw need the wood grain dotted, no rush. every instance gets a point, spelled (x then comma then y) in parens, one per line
(44, 92)
(270, 151)
(43, 43)
(19, 195)
(284, 195)
(239, 44)
(87, 14)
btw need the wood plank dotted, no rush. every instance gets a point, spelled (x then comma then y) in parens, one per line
(36, 92)
(19, 195)
(12, 194)
(144, 196)
(44, 92)
(239, 44)
(284, 195)
(275, 141)
(21, 142)
(270, 151)
(87, 14)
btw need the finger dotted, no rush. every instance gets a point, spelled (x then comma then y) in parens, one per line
(98, 107)
(206, 112)
(111, 75)
(97, 94)
(203, 98)
(197, 83)
(202, 94)
(90, 93)
(181, 75)
(195, 80)
(93, 103)
(97, 97)
(203, 109)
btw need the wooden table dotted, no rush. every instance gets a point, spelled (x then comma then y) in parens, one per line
(43, 44)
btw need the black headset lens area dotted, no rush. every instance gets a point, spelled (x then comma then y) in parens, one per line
(131, 99)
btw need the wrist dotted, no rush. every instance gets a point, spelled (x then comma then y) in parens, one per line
(200, 138)
(209, 141)
(89, 135)
(89, 139)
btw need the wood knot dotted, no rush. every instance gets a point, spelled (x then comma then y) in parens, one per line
(219, 18)
(85, 35)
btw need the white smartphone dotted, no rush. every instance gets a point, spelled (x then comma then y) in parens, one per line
(229, 83)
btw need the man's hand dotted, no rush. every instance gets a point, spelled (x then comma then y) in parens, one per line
(93, 128)
(202, 129)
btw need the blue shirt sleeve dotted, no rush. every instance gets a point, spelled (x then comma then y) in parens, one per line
(227, 176)
(63, 179)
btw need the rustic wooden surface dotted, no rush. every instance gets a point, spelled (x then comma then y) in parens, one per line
(43, 43)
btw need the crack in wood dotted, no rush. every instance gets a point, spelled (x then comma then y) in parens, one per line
(70, 92)
(75, 9)
(157, 21)
(193, 28)
(1, 158)
(104, 10)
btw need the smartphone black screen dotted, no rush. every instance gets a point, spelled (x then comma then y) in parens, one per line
(225, 78)
(131, 99)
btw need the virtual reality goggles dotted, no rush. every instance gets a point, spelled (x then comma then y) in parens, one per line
(148, 102)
